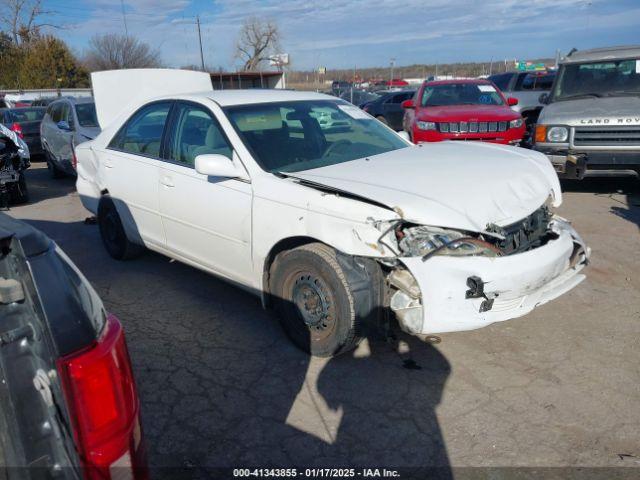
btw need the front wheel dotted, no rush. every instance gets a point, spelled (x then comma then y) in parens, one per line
(112, 232)
(20, 193)
(314, 299)
(54, 171)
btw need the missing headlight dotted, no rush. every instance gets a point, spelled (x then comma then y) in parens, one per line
(427, 241)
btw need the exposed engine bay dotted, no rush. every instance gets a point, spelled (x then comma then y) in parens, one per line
(14, 160)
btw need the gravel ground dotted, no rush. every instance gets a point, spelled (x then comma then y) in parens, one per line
(222, 386)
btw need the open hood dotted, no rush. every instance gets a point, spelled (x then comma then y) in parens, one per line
(116, 90)
(461, 185)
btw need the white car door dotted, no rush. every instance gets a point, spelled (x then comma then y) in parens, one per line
(207, 220)
(131, 165)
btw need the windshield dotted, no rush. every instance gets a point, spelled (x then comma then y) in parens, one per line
(27, 114)
(460, 94)
(598, 79)
(296, 136)
(87, 114)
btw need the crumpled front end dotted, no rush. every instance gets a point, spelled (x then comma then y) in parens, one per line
(443, 293)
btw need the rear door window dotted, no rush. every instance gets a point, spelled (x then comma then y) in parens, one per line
(196, 132)
(142, 134)
(501, 81)
(536, 82)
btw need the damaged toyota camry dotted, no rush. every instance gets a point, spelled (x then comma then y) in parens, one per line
(330, 216)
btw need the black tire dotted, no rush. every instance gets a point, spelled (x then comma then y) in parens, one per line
(381, 118)
(19, 191)
(314, 300)
(54, 171)
(112, 232)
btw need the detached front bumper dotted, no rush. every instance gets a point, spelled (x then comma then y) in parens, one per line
(512, 285)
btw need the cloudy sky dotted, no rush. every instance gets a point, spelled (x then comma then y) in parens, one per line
(348, 33)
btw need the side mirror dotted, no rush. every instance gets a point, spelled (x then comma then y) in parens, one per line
(63, 125)
(215, 165)
(408, 104)
(512, 102)
(543, 98)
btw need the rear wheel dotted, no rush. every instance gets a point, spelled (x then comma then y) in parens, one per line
(112, 232)
(315, 301)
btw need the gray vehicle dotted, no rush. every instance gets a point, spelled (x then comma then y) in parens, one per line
(591, 118)
(67, 122)
(527, 88)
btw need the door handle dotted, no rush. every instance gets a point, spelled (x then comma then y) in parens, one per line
(108, 164)
(167, 182)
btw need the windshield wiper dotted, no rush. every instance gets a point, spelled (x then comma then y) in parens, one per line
(581, 95)
(623, 94)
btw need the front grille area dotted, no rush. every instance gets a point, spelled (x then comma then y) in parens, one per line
(607, 137)
(472, 127)
(530, 232)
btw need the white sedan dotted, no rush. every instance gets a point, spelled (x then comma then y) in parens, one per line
(331, 222)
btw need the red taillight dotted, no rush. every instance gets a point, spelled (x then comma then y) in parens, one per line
(18, 129)
(74, 159)
(104, 406)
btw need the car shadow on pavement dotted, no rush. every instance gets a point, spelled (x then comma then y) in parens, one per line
(222, 387)
(627, 187)
(41, 187)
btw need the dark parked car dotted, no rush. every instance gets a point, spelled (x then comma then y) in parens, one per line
(338, 87)
(69, 406)
(359, 97)
(25, 121)
(388, 107)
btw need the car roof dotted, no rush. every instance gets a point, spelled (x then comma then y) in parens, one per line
(607, 53)
(226, 98)
(475, 81)
(19, 109)
(33, 241)
(75, 100)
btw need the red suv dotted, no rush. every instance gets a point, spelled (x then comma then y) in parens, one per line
(462, 110)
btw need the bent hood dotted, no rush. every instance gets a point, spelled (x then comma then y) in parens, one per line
(459, 185)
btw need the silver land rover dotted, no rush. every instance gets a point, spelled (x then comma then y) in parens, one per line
(591, 117)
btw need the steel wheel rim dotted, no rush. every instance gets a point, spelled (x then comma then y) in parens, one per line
(313, 303)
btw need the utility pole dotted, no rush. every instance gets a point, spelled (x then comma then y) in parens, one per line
(393, 62)
(200, 39)
(124, 18)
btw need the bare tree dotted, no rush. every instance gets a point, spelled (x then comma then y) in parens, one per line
(257, 41)
(21, 19)
(111, 52)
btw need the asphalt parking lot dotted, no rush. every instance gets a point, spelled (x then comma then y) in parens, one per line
(222, 386)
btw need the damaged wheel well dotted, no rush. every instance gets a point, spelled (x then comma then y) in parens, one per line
(282, 246)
